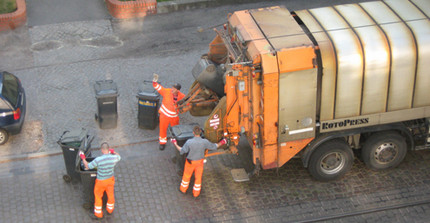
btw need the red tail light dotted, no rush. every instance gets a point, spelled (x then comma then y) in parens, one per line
(17, 114)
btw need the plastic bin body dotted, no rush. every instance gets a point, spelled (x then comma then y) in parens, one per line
(147, 114)
(107, 111)
(148, 104)
(71, 142)
(181, 133)
(88, 178)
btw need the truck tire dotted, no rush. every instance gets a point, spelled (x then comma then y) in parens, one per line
(384, 150)
(331, 160)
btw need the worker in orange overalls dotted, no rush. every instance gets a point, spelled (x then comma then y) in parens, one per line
(195, 148)
(105, 180)
(168, 109)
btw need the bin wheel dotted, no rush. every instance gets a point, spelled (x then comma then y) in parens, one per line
(67, 178)
(87, 206)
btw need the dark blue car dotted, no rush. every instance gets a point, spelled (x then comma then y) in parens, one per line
(12, 106)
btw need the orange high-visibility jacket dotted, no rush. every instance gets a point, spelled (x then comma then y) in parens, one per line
(168, 105)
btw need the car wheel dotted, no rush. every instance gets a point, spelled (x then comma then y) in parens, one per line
(4, 136)
(384, 150)
(331, 160)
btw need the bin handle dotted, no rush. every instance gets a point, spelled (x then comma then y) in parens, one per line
(59, 140)
(89, 140)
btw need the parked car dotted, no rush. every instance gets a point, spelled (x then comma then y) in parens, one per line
(12, 106)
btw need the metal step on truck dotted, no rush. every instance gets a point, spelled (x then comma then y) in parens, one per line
(318, 84)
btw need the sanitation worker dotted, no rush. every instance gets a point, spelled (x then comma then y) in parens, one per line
(168, 109)
(105, 180)
(195, 148)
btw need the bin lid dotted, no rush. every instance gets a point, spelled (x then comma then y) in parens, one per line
(183, 131)
(105, 88)
(74, 136)
(145, 95)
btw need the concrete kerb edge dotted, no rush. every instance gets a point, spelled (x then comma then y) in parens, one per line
(181, 5)
(20, 157)
(171, 6)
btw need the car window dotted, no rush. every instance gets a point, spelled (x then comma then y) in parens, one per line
(3, 105)
(10, 89)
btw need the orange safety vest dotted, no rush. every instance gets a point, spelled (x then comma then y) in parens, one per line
(168, 105)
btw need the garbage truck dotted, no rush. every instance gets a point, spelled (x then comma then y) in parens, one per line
(323, 85)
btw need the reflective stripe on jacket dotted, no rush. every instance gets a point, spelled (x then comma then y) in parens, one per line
(168, 105)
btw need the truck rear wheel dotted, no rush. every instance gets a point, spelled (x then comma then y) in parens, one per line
(384, 150)
(331, 160)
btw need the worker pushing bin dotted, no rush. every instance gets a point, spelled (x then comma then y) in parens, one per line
(71, 142)
(181, 133)
(148, 103)
(107, 112)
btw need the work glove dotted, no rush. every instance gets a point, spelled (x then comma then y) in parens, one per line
(155, 77)
(111, 151)
(82, 155)
(173, 141)
(222, 142)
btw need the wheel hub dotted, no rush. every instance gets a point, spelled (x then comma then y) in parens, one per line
(332, 163)
(386, 153)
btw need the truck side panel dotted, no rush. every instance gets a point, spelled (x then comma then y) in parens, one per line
(373, 56)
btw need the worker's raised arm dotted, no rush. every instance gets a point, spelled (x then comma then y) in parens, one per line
(155, 84)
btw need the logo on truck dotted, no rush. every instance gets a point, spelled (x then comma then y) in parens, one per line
(214, 122)
(345, 123)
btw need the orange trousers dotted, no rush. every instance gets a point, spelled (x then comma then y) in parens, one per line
(99, 188)
(164, 124)
(191, 166)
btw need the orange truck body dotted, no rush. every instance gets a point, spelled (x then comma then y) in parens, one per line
(294, 79)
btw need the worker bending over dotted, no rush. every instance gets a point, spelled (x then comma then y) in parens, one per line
(105, 180)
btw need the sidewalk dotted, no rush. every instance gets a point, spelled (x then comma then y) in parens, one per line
(146, 191)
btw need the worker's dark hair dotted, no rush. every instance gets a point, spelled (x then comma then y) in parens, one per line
(104, 143)
(197, 130)
(177, 86)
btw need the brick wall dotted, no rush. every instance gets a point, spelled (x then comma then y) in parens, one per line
(14, 19)
(131, 9)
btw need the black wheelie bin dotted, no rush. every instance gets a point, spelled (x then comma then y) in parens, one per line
(107, 111)
(148, 104)
(71, 142)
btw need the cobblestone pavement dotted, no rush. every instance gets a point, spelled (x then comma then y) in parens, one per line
(147, 191)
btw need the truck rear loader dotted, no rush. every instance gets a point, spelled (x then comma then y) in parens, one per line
(318, 84)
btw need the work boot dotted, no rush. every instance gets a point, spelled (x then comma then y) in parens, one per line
(181, 191)
(94, 217)
(162, 146)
